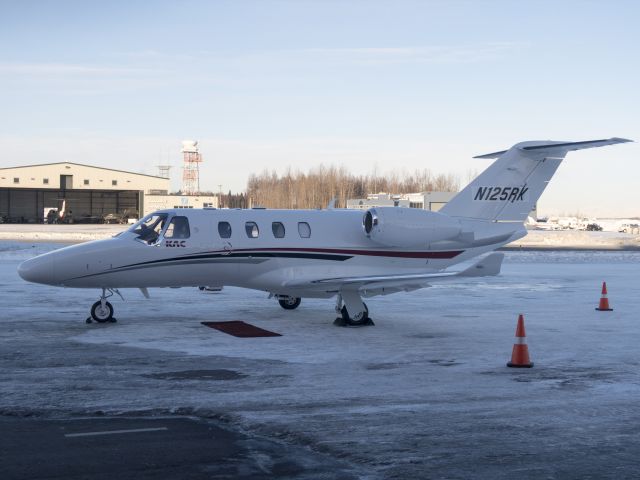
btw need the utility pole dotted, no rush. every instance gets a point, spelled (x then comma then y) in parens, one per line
(220, 195)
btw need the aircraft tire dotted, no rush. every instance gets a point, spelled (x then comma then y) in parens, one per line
(290, 303)
(364, 320)
(101, 315)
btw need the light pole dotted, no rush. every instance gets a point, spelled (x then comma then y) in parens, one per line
(220, 196)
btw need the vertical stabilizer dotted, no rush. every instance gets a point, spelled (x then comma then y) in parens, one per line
(511, 186)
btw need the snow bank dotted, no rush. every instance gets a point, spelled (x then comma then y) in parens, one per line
(554, 239)
(74, 233)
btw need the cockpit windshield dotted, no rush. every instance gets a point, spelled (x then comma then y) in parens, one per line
(148, 229)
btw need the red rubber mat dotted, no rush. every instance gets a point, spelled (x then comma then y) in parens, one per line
(238, 328)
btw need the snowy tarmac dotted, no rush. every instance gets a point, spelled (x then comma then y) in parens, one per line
(425, 393)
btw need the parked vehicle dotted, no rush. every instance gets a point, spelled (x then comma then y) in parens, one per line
(121, 218)
(210, 289)
(629, 228)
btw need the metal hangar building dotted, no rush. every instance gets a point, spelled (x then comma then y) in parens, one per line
(87, 192)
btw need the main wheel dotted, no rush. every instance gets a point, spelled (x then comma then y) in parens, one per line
(100, 314)
(289, 303)
(357, 320)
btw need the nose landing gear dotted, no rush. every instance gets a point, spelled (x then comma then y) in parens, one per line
(102, 311)
(289, 303)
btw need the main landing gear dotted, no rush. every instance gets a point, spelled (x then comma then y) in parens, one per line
(351, 300)
(102, 311)
(352, 311)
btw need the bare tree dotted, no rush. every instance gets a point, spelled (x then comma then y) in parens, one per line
(315, 189)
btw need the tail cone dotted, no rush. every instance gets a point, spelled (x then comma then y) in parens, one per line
(520, 353)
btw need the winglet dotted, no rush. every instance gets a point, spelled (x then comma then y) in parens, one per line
(489, 265)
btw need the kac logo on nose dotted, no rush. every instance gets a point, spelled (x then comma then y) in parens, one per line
(175, 243)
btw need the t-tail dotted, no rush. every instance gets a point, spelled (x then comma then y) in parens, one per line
(508, 190)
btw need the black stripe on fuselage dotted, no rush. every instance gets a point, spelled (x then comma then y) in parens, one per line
(327, 253)
(271, 254)
(197, 259)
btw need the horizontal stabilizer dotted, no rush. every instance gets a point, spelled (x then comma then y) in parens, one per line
(570, 146)
(567, 146)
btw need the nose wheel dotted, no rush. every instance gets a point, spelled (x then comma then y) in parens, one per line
(289, 303)
(102, 311)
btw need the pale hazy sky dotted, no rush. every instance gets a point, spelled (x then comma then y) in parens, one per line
(271, 84)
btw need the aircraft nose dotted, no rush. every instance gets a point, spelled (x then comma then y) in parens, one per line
(37, 270)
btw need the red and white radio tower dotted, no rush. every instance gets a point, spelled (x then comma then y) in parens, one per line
(191, 171)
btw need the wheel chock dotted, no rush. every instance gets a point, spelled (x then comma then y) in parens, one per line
(89, 320)
(340, 322)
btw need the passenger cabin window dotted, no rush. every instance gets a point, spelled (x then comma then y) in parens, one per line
(304, 229)
(224, 229)
(148, 229)
(252, 229)
(178, 228)
(278, 229)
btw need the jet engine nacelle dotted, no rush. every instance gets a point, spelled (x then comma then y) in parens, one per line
(408, 227)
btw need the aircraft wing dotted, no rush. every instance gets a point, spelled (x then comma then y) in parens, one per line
(384, 284)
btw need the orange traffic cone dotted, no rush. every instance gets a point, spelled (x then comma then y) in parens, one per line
(520, 354)
(604, 300)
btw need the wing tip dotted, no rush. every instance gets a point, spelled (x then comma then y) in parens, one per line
(488, 266)
(492, 155)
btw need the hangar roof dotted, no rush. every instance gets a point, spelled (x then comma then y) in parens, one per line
(77, 176)
(79, 165)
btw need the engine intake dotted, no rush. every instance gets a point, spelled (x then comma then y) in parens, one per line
(408, 227)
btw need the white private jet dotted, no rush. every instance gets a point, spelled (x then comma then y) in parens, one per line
(293, 254)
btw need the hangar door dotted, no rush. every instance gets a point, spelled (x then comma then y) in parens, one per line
(28, 205)
(18, 204)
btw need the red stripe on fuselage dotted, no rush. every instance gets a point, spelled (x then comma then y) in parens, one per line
(371, 253)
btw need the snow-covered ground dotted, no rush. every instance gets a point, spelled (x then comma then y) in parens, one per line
(425, 393)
